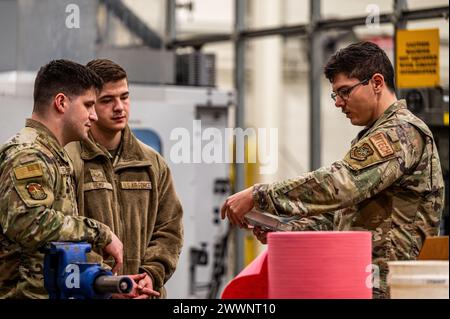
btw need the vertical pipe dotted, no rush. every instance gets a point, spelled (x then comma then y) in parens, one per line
(239, 83)
(315, 80)
(171, 31)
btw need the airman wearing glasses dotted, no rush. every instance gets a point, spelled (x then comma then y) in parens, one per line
(389, 183)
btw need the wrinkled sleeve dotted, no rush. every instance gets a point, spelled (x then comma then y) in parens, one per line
(163, 251)
(364, 172)
(323, 222)
(26, 216)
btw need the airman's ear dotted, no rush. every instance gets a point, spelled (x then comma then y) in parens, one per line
(60, 102)
(378, 82)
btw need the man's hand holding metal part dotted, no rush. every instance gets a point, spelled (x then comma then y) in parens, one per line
(240, 210)
(237, 205)
(142, 288)
(235, 208)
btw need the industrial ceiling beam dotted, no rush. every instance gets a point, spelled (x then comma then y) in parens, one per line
(134, 24)
(302, 30)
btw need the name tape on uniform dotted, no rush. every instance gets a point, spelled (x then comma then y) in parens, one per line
(97, 185)
(381, 144)
(136, 185)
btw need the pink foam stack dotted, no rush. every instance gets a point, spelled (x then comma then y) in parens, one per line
(320, 265)
(251, 283)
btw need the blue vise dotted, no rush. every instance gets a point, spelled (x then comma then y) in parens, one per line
(68, 275)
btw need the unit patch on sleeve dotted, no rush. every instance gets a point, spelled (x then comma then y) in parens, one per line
(36, 191)
(381, 144)
(362, 152)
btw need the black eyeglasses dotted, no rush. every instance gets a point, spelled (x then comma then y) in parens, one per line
(345, 93)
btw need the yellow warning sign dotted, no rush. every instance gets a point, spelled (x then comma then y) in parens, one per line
(417, 58)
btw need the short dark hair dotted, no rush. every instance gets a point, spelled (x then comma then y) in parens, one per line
(62, 76)
(108, 70)
(361, 60)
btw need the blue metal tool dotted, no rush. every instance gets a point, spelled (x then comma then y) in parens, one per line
(68, 275)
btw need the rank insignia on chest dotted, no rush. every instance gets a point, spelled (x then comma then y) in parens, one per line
(97, 175)
(64, 170)
(362, 152)
(36, 191)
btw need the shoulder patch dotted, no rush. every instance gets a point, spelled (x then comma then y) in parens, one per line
(362, 152)
(28, 171)
(381, 144)
(36, 191)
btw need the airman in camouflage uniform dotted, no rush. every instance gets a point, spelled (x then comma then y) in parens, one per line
(37, 199)
(37, 205)
(389, 183)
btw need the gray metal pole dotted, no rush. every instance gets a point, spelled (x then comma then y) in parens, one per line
(239, 83)
(171, 31)
(315, 78)
(399, 24)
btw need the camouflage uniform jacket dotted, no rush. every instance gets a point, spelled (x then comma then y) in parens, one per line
(389, 183)
(134, 194)
(37, 205)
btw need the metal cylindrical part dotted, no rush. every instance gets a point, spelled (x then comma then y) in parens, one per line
(113, 284)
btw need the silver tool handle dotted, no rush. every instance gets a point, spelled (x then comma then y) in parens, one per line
(113, 284)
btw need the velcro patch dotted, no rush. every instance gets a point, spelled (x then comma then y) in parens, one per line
(36, 191)
(28, 171)
(97, 175)
(136, 185)
(392, 135)
(27, 159)
(97, 185)
(381, 144)
(63, 170)
(362, 152)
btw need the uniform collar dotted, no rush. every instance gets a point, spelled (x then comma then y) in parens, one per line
(129, 151)
(47, 137)
(391, 110)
